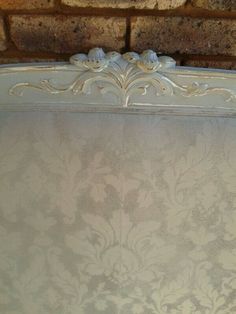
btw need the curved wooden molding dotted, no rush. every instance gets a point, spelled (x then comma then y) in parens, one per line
(113, 82)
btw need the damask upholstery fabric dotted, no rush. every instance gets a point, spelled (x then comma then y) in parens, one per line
(117, 214)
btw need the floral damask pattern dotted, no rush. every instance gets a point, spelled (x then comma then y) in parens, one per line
(104, 213)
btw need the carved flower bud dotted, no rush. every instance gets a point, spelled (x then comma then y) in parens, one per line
(113, 55)
(96, 54)
(97, 60)
(167, 62)
(131, 57)
(149, 56)
(78, 59)
(149, 61)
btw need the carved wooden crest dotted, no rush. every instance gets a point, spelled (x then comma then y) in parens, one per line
(113, 82)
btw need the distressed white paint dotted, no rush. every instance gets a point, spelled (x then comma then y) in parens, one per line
(115, 83)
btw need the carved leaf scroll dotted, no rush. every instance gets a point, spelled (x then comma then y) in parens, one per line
(123, 76)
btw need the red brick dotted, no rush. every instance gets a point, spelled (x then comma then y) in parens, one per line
(67, 34)
(3, 41)
(215, 4)
(26, 4)
(228, 65)
(138, 4)
(184, 35)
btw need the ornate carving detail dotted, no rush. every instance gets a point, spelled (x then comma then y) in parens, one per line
(96, 60)
(148, 61)
(123, 76)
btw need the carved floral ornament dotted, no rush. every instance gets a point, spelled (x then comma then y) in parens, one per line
(97, 60)
(124, 76)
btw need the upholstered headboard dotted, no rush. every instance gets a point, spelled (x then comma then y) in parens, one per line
(117, 213)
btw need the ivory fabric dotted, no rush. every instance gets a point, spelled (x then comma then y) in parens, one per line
(117, 214)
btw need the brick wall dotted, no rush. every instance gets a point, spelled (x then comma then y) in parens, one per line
(194, 32)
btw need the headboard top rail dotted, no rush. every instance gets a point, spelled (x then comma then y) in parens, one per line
(112, 82)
